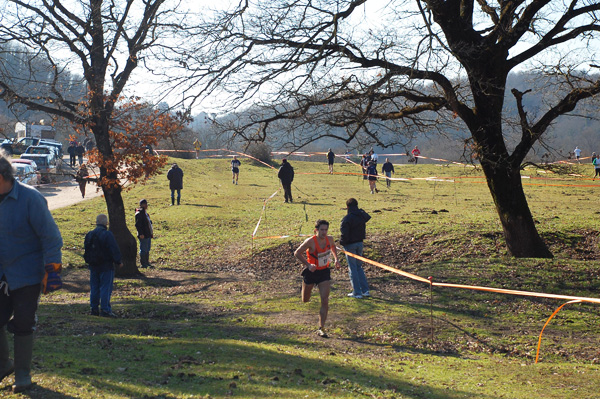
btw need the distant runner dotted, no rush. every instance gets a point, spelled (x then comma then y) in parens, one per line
(314, 253)
(235, 169)
(415, 153)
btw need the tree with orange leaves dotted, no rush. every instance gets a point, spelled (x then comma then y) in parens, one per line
(107, 40)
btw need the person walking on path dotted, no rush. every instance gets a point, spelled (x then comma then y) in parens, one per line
(372, 175)
(315, 254)
(286, 176)
(30, 264)
(81, 178)
(577, 153)
(145, 232)
(175, 176)
(80, 150)
(415, 153)
(330, 160)
(101, 253)
(197, 147)
(72, 151)
(388, 168)
(235, 169)
(353, 232)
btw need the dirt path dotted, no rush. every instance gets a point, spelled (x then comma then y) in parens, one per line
(66, 193)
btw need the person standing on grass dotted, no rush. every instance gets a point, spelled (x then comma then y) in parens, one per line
(235, 169)
(330, 160)
(353, 232)
(415, 153)
(286, 175)
(143, 225)
(101, 253)
(372, 176)
(175, 176)
(315, 254)
(388, 168)
(30, 264)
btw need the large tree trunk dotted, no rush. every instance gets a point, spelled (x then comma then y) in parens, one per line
(520, 233)
(118, 225)
(114, 202)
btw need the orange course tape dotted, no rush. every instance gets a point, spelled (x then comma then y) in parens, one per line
(571, 299)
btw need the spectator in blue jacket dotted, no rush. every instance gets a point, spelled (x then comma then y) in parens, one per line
(30, 263)
(101, 254)
(353, 230)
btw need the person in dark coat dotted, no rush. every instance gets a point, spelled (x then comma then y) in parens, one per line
(143, 225)
(388, 169)
(72, 153)
(353, 230)
(175, 176)
(330, 160)
(101, 254)
(79, 150)
(286, 175)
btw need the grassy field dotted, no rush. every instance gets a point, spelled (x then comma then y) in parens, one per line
(221, 315)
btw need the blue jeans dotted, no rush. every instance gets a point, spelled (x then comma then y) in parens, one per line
(145, 244)
(101, 285)
(178, 195)
(388, 181)
(357, 274)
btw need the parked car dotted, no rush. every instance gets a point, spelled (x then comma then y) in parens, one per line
(20, 145)
(26, 171)
(46, 161)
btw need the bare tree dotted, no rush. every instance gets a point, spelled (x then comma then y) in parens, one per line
(106, 40)
(371, 68)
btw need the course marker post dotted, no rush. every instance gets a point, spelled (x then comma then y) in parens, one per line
(430, 278)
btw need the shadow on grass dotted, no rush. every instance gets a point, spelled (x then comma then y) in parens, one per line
(203, 205)
(183, 356)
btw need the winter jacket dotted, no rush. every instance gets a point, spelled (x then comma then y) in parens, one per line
(354, 224)
(387, 167)
(175, 176)
(106, 242)
(143, 223)
(29, 237)
(286, 173)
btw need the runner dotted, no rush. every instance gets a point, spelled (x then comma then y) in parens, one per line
(197, 147)
(415, 153)
(314, 253)
(235, 169)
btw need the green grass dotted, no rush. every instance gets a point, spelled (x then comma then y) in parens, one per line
(221, 315)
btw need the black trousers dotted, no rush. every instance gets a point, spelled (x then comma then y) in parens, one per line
(287, 191)
(18, 307)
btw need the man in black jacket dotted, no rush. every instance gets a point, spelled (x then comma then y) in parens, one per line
(143, 224)
(175, 176)
(286, 175)
(101, 254)
(353, 230)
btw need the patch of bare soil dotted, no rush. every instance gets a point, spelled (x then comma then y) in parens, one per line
(278, 271)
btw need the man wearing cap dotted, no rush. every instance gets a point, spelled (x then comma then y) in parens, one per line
(101, 254)
(143, 224)
(286, 175)
(175, 176)
(30, 263)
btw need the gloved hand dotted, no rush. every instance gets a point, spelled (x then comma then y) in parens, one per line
(52, 281)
